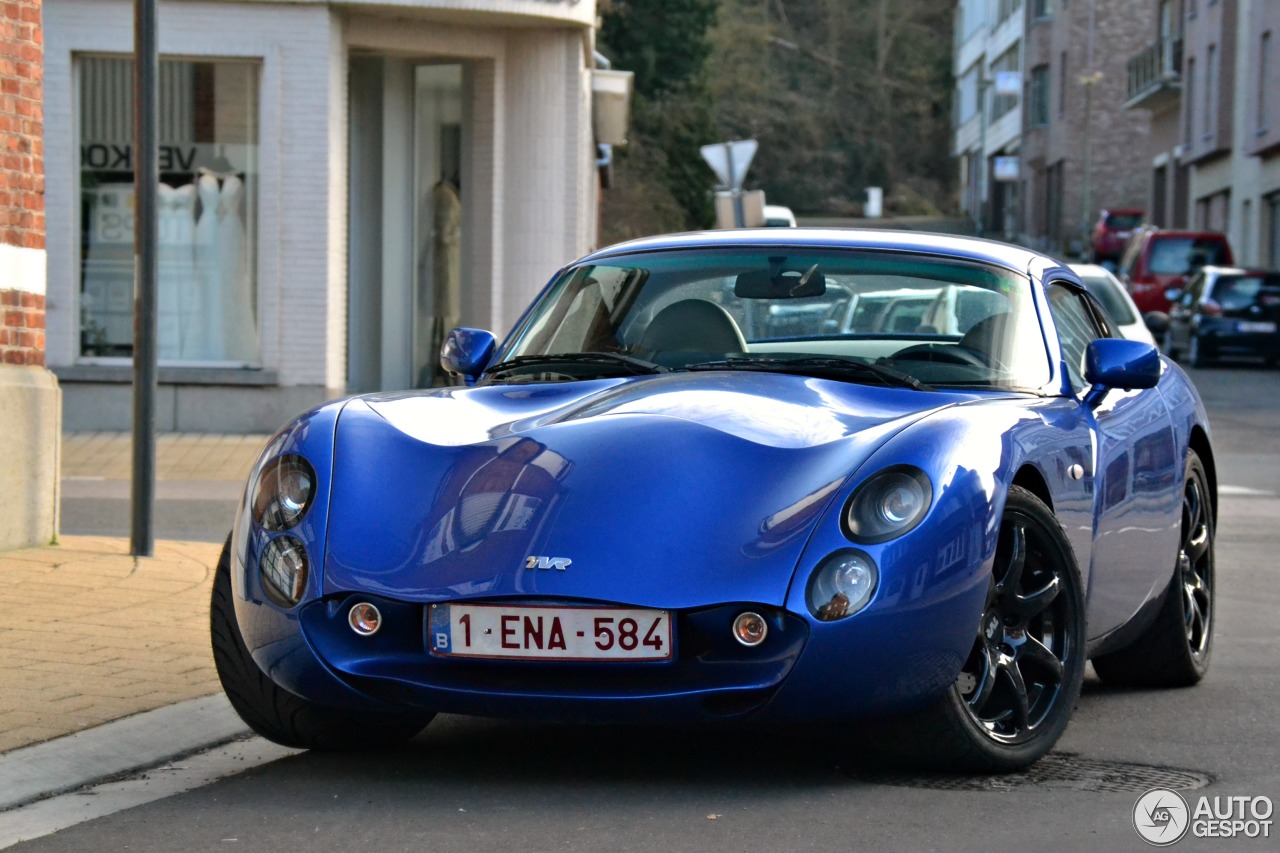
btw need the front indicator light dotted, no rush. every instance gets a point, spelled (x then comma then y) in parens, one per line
(364, 619)
(750, 629)
(842, 585)
(283, 568)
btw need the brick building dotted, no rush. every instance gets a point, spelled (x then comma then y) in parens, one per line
(29, 397)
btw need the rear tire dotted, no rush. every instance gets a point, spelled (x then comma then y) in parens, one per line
(1017, 691)
(279, 715)
(1174, 651)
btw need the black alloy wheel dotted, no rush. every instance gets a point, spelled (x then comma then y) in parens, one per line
(1195, 568)
(1015, 693)
(1014, 677)
(1173, 651)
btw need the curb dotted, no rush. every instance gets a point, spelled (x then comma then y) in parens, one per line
(119, 747)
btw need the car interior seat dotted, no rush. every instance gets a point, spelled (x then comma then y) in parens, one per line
(693, 325)
(985, 336)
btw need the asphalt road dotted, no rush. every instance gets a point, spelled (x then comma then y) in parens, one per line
(480, 785)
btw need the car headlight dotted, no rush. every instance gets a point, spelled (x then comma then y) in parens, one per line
(283, 492)
(888, 504)
(283, 567)
(842, 585)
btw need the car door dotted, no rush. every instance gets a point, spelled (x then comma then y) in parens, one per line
(1137, 474)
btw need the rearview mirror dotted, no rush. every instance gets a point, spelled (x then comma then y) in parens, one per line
(1114, 363)
(466, 352)
(787, 284)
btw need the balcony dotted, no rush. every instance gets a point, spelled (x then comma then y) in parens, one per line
(1155, 76)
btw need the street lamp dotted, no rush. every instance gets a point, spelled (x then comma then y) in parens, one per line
(1089, 80)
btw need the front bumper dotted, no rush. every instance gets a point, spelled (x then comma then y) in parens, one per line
(875, 662)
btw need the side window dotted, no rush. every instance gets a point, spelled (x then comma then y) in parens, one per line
(1076, 325)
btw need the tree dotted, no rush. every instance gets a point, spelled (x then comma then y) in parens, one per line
(665, 43)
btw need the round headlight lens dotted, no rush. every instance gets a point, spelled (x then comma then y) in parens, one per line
(283, 568)
(842, 585)
(283, 492)
(888, 504)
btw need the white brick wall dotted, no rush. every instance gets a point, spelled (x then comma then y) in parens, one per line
(531, 200)
(296, 229)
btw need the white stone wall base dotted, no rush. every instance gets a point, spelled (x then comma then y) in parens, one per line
(30, 421)
(90, 406)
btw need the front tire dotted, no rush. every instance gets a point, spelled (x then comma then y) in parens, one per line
(1174, 651)
(1016, 692)
(274, 712)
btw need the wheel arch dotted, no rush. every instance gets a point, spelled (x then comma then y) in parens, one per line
(1030, 478)
(1199, 442)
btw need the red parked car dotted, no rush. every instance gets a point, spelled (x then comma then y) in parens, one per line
(1111, 234)
(1158, 260)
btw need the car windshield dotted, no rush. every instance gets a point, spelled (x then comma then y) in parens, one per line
(1123, 221)
(914, 320)
(1182, 255)
(1107, 291)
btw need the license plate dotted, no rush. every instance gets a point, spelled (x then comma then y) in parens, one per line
(1256, 326)
(534, 632)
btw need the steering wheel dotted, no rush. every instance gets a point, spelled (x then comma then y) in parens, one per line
(947, 354)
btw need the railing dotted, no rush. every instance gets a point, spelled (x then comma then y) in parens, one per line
(1159, 64)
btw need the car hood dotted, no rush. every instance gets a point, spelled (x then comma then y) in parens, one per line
(665, 491)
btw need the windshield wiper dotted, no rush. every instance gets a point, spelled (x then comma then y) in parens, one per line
(634, 366)
(829, 364)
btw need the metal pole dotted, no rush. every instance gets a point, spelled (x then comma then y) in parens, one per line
(739, 216)
(983, 83)
(146, 175)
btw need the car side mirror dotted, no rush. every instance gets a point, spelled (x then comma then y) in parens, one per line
(1116, 363)
(1157, 322)
(466, 352)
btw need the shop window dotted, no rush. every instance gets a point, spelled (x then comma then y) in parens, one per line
(207, 285)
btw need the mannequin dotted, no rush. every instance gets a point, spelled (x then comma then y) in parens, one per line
(178, 315)
(226, 295)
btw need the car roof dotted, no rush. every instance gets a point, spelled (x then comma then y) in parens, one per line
(1015, 258)
(1092, 270)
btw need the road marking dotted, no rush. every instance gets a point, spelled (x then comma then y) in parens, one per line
(45, 817)
(1242, 491)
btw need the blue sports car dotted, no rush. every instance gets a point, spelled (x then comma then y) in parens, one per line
(901, 485)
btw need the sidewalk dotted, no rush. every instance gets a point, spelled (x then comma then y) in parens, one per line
(95, 634)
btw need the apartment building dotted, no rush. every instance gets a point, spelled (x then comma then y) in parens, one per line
(988, 112)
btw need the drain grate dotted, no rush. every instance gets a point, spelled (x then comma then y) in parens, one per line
(1056, 771)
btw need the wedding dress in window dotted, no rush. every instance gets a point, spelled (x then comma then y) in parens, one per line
(178, 312)
(231, 334)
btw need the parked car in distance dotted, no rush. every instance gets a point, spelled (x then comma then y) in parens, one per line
(1226, 311)
(1112, 232)
(1115, 300)
(1158, 260)
(777, 216)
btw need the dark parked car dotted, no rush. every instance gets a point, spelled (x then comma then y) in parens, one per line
(1226, 312)
(1112, 232)
(1157, 261)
